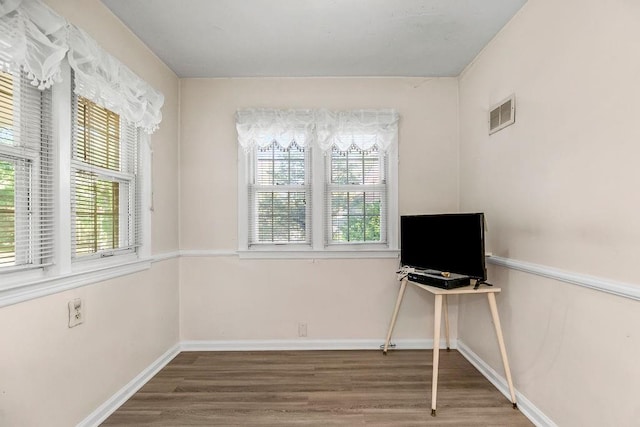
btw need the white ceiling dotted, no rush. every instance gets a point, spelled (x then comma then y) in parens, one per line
(274, 38)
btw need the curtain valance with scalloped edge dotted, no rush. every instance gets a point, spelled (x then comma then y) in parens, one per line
(261, 127)
(325, 129)
(35, 39)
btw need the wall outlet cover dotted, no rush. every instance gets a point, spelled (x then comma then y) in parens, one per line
(76, 315)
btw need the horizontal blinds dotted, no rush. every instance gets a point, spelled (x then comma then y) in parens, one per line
(356, 196)
(26, 174)
(280, 195)
(105, 195)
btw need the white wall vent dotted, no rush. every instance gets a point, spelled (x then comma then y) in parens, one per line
(502, 114)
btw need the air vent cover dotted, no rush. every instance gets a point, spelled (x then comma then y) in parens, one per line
(502, 115)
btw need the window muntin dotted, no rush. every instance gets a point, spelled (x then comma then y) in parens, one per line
(26, 174)
(104, 182)
(356, 196)
(280, 195)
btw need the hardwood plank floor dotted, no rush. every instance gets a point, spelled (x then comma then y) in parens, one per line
(316, 388)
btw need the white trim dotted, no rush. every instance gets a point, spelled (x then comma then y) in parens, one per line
(243, 198)
(145, 200)
(207, 253)
(121, 396)
(626, 290)
(164, 256)
(528, 409)
(257, 254)
(62, 120)
(319, 254)
(307, 344)
(47, 286)
(40, 286)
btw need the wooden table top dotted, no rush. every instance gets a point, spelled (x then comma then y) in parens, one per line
(483, 289)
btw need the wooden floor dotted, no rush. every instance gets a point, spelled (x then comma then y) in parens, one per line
(316, 388)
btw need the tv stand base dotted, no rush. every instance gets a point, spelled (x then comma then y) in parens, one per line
(440, 308)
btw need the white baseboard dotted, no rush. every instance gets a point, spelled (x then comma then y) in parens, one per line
(535, 415)
(121, 396)
(308, 344)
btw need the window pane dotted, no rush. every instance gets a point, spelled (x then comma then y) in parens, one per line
(340, 228)
(105, 204)
(372, 173)
(7, 213)
(6, 109)
(339, 170)
(98, 135)
(278, 166)
(281, 217)
(356, 166)
(355, 216)
(26, 172)
(96, 214)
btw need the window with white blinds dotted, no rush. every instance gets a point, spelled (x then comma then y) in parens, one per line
(356, 196)
(26, 174)
(280, 195)
(317, 181)
(104, 196)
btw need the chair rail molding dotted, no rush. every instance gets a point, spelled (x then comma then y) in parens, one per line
(626, 290)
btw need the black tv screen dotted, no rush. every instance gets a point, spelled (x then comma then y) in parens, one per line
(445, 242)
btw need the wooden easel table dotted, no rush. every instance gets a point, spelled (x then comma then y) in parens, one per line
(440, 296)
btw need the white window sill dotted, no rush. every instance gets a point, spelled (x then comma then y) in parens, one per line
(318, 254)
(35, 288)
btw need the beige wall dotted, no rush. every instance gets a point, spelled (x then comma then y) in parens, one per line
(223, 298)
(559, 189)
(55, 376)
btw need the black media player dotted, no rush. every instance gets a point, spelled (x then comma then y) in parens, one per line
(440, 281)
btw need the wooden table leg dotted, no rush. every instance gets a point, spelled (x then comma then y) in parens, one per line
(437, 318)
(503, 351)
(403, 286)
(446, 321)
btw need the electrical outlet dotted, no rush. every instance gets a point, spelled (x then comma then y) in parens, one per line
(76, 315)
(302, 329)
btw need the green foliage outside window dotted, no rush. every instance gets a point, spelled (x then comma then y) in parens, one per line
(7, 212)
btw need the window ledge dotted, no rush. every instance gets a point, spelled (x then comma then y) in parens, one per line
(41, 287)
(318, 254)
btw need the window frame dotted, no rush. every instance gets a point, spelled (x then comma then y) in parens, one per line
(28, 188)
(318, 248)
(331, 187)
(63, 273)
(128, 175)
(254, 188)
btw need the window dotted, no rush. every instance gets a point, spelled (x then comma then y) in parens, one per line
(26, 197)
(75, 158)
(356, 196)
(317, 180)
(104, 190)
(280, 194)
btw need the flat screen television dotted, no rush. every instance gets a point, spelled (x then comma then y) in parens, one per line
(444, 242)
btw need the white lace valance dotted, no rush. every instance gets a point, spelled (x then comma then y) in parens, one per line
(104, 80)
(325, 129)
(262, 127)
(363, 129)
(32, 38)
(35, 39)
